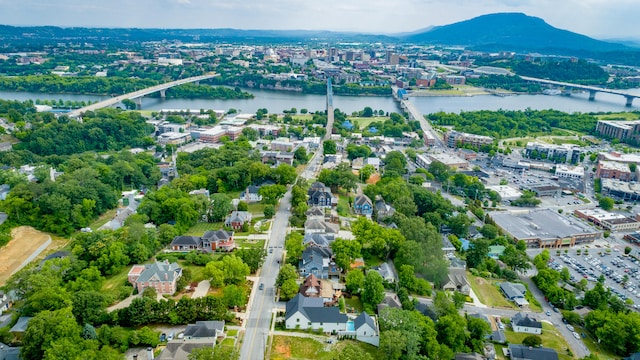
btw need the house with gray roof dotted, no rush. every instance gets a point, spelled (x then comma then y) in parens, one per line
(320, 195)
(318, 239)
(319, 225)
(362, 205)
(390, 300)
(250, 194)
(318, 261)
(162, 276)
(310, 313)
(523, 352)
(315, 212)
(383, 210)
(514, 292)
(198, 335)
(212, 240)
(386, 272)
(237, 219)
(20, 326)
(524, 324)
(457, 281)
(366, 329)
(9, 352)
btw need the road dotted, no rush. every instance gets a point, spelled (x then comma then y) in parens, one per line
(263, 302)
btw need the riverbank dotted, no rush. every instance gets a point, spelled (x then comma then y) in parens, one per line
(460, 91)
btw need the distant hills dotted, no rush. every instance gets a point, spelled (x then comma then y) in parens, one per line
(511, 31)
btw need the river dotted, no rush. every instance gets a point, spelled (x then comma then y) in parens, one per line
(277, 101)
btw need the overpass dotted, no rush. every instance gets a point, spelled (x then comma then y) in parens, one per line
(591, 89)
(431, 137)
(162, 88)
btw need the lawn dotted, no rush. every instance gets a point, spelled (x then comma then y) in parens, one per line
(256, 208)
(114, 281)
(364, 348)
(232, 332)
(250, 244)
(551, 338)
(103, 219)
(200, 228)
(197, 272)
(290, 347)
(618, 116)
(372, 261)
(353, 303)
(364, 122)
(343, 205)
(488, 293)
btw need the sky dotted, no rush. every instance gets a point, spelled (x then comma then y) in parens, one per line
(602, 19)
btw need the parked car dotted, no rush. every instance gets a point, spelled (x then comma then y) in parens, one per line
(163, 337)
(261, 287)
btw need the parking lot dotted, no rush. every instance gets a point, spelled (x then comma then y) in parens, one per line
(621, 273)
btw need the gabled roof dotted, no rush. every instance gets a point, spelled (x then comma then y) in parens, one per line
(300, 303)
(315, 211)
(524, 320)
(361, 200)
(160, 271)
(362, 319)
(242, 216)
(320, 224)
(458, 277)
(186, 241)
(9, 353)
(311, 282)
(21, 325)
(217, 235)
(252, 189)
(512, 290)
(203, 329)
(521, 352)
(322, 240)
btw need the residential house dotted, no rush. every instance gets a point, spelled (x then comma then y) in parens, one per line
(390, 300)
(386, 272)
(457, 281)
(373, 161)
(362, 205)
(9, 352)
(250, 194)
(221, 240)
(447, 247)
(5, 302)
(212, 240)
(237, 219)
(514, 292)
(195, 336)
(522, 323)
(315, 212)
(320, 195)
(314, 287)
(162, 276)
(317, 261)
(383, 210)
(203, 192)
(367, 329)
(20, 327)
(523, 352)
(310, 313)
(316, 225)
(318, 239)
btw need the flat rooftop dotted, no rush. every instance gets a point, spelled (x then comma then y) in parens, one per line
(542, 224)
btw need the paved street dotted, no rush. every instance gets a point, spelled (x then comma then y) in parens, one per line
(261, 303)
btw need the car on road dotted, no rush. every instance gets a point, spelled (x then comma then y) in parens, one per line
(261, 287)
(570, 327)
(548, 313)
(576, 335)
(170, 337)
(163, 337)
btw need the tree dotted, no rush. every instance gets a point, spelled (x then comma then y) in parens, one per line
(627, 250)
(233, 296)
(269, 211)
(288, 290)
(606, 203)
(150, 292)
(345, 251)
(272, 193)
(287, 271)
(294, 245)
(329, 147)
(301, 155)
(46, 328)
(372, 290)
(478, 328)
(354, 281)
(366, 172)
(367, 112)
(242, 206)
(220, 206)
(452, 332)
(253, 257)
(489, 231)
(515, 259)
(235, 270)
(532, 340)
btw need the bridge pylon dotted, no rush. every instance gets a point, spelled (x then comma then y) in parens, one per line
(592, 95)
(629, 101)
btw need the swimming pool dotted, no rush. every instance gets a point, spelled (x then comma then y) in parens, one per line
(351, 326)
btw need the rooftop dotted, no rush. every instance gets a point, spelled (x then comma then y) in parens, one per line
(542, 224)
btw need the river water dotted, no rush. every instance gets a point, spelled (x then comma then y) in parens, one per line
(277, 101)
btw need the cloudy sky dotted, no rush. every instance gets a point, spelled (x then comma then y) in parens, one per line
(597, 18)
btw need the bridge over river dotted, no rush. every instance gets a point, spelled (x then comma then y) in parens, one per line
(591, 89)
(139, 94)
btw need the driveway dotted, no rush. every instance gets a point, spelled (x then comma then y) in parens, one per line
(201, 290)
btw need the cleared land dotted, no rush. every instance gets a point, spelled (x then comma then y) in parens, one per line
(291, 347)
(488, 293)
(25, 240)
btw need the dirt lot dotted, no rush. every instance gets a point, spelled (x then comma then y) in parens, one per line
(25, 240)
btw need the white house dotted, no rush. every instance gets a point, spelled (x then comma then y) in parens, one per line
(367, 329)
(524, 324)
(310, 313)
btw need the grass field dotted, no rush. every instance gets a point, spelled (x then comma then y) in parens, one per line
(354, 303)
(364, 348)
(197, 272)
(364, 122)
(256, 209)
(343, 205)
(25, 240)
(618, 116)
(232, 332)
(488, 293)
(551, 338)
(200, 228)
(116, 280)
(249, 244)
(291, 347)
